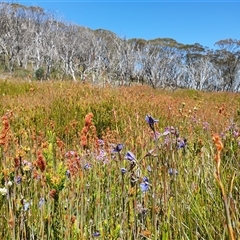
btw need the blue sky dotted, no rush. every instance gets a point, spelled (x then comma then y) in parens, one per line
(188, 22)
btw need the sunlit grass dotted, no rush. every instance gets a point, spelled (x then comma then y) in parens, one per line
(61, 180)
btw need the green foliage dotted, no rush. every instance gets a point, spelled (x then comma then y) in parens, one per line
(10, 88)
(39, 73)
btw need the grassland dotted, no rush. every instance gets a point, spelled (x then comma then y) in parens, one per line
(83, 162)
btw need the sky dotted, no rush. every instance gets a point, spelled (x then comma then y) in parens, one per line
(188, 22)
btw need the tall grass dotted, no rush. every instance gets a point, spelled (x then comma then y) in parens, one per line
(81, 162)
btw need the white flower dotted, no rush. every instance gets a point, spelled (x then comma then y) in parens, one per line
(3, 191)
(9, 183)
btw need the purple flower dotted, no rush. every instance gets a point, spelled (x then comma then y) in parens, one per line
(130, 156)
(205, 126)
(170, 130)
(236, 133)
(101, 155)
(168, 141)
(118, 148)
(100, 142)
(172, 171)
(150, 120)
(181, 142)
(144, 185)
(96, 234)
(123, 170)
(87, 166)
(27, 166)
(156, 135)
(18, 179)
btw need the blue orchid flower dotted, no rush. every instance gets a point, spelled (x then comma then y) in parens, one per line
(130, 156)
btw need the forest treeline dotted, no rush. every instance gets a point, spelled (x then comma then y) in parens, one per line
(40, 45)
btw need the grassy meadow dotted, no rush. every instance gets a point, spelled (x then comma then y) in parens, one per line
(85, 162)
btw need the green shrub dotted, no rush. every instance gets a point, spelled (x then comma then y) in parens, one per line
(39, 73)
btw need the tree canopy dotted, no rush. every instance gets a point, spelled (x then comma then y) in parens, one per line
(33, 39)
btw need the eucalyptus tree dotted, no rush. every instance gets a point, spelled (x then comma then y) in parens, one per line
(138, 47)
(124, 59)
(84, 64)
(40, 46)
(4, 32)
(171, 67)
(70, 45)
(99, 62)
(14, 34)
(107, 46)
(92, 59)
(51, 38)
(27, 36)
(148, 59)
(192, 54)
(159, 62)
(203, 75)
(227, 59)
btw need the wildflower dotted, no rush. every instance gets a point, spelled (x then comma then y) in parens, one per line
(100, 142)
(130, 156)
(27, 166)
(101, 155)
(123, 170)
(219, 146)
(156, 135)
(144, 185)
(181, 142)
(236, 133)
(218, 143)
(36, 174)
(40, 161)
(73, 163)
(73, 219)
(16, 162)
(3, 191)
(146, 233)
(172, 171)
(26, 205)
(53, 193)
(9, 183)
(206, 126)
(70, 154)
(41, 202)
(86, 129)
(5, 130)
(171, 130)
(150, 120)
(68, 173)
(87, 166)
(118, 148)
(149, 168)
(168, 141)
(18, 179)
(96, 234)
